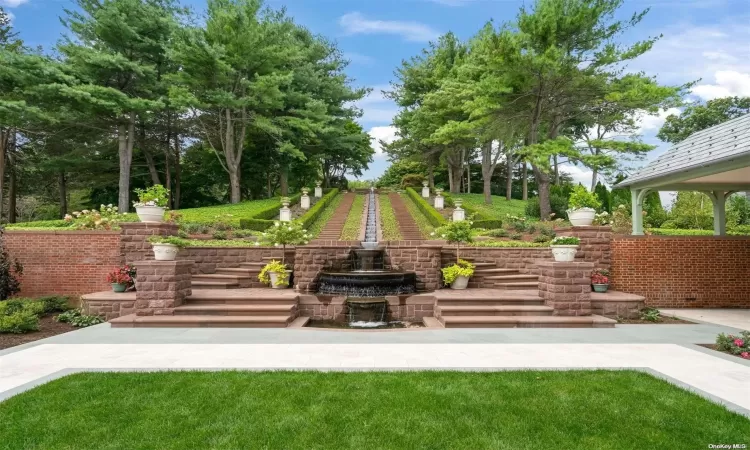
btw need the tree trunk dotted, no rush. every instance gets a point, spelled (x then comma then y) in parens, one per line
(125, 135)
(284, 180)
(594, 176)
(487, 170)
(450, 179)
(168, 177)
(151, 167)
(4, 144)
(543, 181)
(234, 185)
(63, 187)
(455, 162)
(268, 185)
(457, 176)
(557, 170)
(509, 179)
(177, 172)
(431, 172)
(525, 185)
(12, 188)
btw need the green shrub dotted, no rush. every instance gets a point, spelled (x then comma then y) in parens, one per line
(565, 240)
(220, 235)
(511, 244)
(515, 236)
(541, 239)
(432, 215)
(194, 228)
(558, 204)
(680, 232)
(171, 240)
(462, 268)
(580, 197)
(317, 209)
(12, 306)
(487, 224)
(651, 314)
(498, 232)
(242, 233)
(412, 180)
(76, 318)
(19, 322)
(54, 304)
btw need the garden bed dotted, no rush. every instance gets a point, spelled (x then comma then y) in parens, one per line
(714, 347)
(236, 409)
(48, 327)
(661, 321)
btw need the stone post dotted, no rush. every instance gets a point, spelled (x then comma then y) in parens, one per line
(428, 267)
(134, 245)
(439, 199)
(318, 190)
(458, 214)
(596, 244)
(304, 201)
(285, 214)
(425, 189)
(161, 286)
(566, 287)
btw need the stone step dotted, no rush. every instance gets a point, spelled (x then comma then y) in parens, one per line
(484, 270)
(527, 322)
(247, 272)
(197, 284)
(235, 310)
(252, 296)
(255, 265)
(197, 321)
(487, 297)
(521, 285)
(495, 310)
(513, 278)
(221, 277)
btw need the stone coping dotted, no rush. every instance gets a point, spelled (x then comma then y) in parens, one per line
(393, 300)
(110, 296)
(616, 296)
(62, 231)
(573, 265)
(622, 237)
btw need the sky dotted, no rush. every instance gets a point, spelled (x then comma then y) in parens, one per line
(706, 40)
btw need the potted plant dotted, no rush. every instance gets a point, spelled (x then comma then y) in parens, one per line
(281, 234)
(583, 205)
(457, 275)
(121, 278)
(152, 203)
(564, 248)
(166, 247)
(600, 280)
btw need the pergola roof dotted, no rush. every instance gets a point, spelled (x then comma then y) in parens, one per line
(717, 158)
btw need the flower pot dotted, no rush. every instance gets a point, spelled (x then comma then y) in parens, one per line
(165, 252)
(582, 217)
(460, 283)
(150, 213)
(564, 253)
(275, 276)
(600, 287)
(119, 287)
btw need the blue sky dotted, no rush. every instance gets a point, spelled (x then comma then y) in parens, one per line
(702, 39)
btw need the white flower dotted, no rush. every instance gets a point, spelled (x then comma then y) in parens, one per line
(289, 228)
(276, 224)
(305, 242)
(443, 236)
(432, 234)
(85, 211)
(275, 244)
(109, 206)
(257, 243)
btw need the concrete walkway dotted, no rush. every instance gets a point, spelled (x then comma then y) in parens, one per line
(736, 318)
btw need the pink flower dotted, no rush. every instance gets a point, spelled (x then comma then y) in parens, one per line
(745, 355)
(739, 342)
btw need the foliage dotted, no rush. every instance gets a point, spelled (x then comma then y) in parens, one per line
(736, 345)
(156, 195)
(565, 240)
(510, 244)
(55, 303)
(105, 218)
(498, 232)
(220, 235)
(19, 322)
(168, 240)
(604, 196)
(282, 234)
(397, 170)
(581, 198)
(602, 218)
(650, 314)
(517, 223)
(425, 227)
(696, 117)
(433, 216)
(77, 318)
(412, 181)
(692, 210)
(558, 205)
(279, 268)
(515, 236)
(325, 214)
(122, 275)
(499, 208)
(540, 239)
(456, 232)
(315, 211)
(11, 271)
(621, 222)
(388, 222)
(738, 210)
(462, 268)
(600, 276)
(353, 222)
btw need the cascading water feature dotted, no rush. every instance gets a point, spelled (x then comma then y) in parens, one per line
(370, 280)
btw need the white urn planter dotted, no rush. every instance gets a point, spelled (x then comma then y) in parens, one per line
(275, 276)
(582, 217)
(165, 252)
(460, 283)
(150, 213)
(564, 253)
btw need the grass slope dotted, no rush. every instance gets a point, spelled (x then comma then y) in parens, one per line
(419, 218)
(499, 208)
(354, 219)
(386, 410)
(325, 216)
(388, 222)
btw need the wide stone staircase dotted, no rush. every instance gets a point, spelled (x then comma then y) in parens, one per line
(225, 308)
(487, 275)
(244, 276)
(335, 225)
(406, 225)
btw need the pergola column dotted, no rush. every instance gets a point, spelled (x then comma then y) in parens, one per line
(637, 196)
(719, 200)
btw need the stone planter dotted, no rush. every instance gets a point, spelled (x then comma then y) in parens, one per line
(150, 213)
(165, 252)
(600, 287)
(275, 276)
(460, 283)
(119, 287)
(564, 253)
(582, 217)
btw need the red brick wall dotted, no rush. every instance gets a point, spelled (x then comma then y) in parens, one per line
(683, 271)
(64, 262)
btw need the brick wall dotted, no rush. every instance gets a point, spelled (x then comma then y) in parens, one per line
(523, 259)
(683, 271)
(64, 262)
(595, 244)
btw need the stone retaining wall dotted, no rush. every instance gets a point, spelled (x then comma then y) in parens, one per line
(566, 287)
(403, 307)
(310, 260)
(523, 259)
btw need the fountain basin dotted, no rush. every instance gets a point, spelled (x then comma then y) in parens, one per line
(367, 283)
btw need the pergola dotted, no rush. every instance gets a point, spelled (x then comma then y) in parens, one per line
(715, 161)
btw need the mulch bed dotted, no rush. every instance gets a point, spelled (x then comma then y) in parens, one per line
(662, 321)
(47, 328)
(713, 347)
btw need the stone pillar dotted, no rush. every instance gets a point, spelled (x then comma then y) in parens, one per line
(161, 286)
(428, 267)
(566, 287)
(134, 245)
(318, 190)
(304, 201)
(285, 214)
(425, 189)
(458, 214)
(439, 200)
(596, 244)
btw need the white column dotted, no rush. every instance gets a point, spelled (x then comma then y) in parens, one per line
(458, 214)
(318, 190)
(637, 216)
(425, 189)
(304, 201)
(719, 199)
(439, 202)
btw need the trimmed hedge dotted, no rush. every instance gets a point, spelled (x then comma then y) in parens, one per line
(434, 217)
(39, 224)
(487, 224)
(479, 220)
(263, 219)
(310, 216)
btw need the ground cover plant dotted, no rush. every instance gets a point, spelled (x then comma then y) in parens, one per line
(738, 345)
(354, 219)
(499, 208)
(388, 222)
(315, 410)
(26, 319)
(325, 215)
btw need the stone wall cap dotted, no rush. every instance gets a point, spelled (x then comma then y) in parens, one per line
(587, 228)
(61, 231)
(177, 262)
(147, 225)
(565, 264)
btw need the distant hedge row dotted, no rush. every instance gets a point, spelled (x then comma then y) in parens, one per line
(265, 218)
(434, 217)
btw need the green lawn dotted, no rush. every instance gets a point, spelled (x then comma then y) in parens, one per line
(499, 208)
(388, 222)
(387, 410)
(354, 219)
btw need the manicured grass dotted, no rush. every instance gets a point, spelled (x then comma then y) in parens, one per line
(679, 232)
(385, 410)
(388, 222)
(354, 219)
(421, 220)
(220, 243)
(325, 216)
(498, 210)
(512, 244)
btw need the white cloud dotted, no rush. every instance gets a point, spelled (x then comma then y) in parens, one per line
(385, 134)
(356, 23)
(728, 83)
(653, 122)
(579, 174)
(12, 3)
(376, 108)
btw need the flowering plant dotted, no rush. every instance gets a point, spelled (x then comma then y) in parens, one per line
(282, 234)
(602, 218)
(103, 219)
(458, 232)
(600, 276)
(462, 268)
(122, 275)
(156, 195)
(565, 240)
(736, 345)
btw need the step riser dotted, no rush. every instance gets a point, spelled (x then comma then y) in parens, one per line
(232, 313)
(194, 287)
(524, 325)
(492, 302)
(501, 286)
(494, 313)
(239, 301)
(201, 325)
